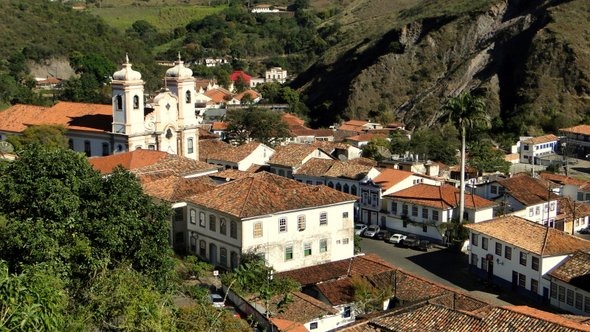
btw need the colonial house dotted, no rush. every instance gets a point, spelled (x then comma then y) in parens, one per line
(166, 123)
(569, 286)
(302, 134)
(289, 158)
(275, 74)
(516, 253)
(424, 209)
(575, 189)
(340, 150)
(576, 139)
(241, 157)
(535, 147)
(572, 215)
(357, 127)
(245, 98)
(291, 224)
(345, 176)
(389, 181)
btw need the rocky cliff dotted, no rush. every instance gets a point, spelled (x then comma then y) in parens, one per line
(528, 57)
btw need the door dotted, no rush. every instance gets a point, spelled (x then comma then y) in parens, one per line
(490, 269)
(213, 254)
(545, 295)
(514, 280)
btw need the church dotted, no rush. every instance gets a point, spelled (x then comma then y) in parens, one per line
(165, 123)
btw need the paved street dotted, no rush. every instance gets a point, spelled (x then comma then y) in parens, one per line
(444, 266)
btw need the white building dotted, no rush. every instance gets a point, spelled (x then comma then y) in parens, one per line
(292, 224)
(275, 74)
(534, 147)
(422, 209)
(569, 288)
(516, 253)
(241, 157)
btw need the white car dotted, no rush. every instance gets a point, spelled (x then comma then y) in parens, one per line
(217, 300)
(397, 238)
(359, 229)
(371, 231)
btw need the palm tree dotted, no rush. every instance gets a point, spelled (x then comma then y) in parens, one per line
(466, 112)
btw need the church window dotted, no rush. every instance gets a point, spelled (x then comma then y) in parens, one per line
(188, 97)
(189, 145)
(135, 102)
(119, 101)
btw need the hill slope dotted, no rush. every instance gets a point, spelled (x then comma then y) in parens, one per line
(530, 58)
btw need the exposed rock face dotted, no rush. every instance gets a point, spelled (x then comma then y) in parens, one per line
(516, 52)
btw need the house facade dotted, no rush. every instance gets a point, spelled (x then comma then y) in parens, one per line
(291, 224)
(576, 139)
(516, 253)
(569, 287)
(534, 147)
(241, 157)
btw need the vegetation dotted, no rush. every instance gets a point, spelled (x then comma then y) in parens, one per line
(256, 123)
(53, 136)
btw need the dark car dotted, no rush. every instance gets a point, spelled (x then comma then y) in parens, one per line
(411, 241)
(382, 235)
(424, 245)
(584, 230)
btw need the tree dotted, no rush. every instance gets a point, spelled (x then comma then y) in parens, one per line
(376, 148)
(254, 123)
(486, 158)
(49, 135)
(466, 112)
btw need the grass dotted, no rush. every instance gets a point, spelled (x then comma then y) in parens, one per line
(164, 18)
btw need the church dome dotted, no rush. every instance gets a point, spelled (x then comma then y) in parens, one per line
(127, 74)
(179, 71)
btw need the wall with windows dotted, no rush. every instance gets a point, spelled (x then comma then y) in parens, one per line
(300, 238)
(539, 213)
(530, 150)
(570, 298)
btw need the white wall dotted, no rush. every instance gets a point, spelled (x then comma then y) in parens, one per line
(259, 156)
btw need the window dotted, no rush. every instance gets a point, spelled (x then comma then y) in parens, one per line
(233, 259)
(71, 144)
(353, 190)
(498, 249)
(119, 101)
(313, 325)
(331, 185)
(212, 225)
(535, 263)
(484, 243)
(233, 229)
(178, 215)
(394, 208)
(474, 239)
(202, 248)
(323, 245)
(223, 257)
(346, 312)
(202, 219)
(288, 253)
(258, 229)
(580, 196)
(538, 210)
(586, 304)
(508, 252)
(188, 97)
(579, 301)
(222, 226)
(435, 215)
(345, 215)
(189, 145)
(531, 212)
(484, 264)
(569, 299)
(179, 237)
(474, 259)
(323, 218)
(345, 241)
(521, 280)
(522, 258)
(553, 290)
(301, 223)
(338, 186)
(414, 211)
(346, 188)
(135, 102)
(87, 148)
(306, 249)
(105, 149)
(535, 286)
(561, 294)
(552, 206)
(193, 217)
(424, 228)
(404, 209)
(424, 213)
(282, 225)
(494, 190)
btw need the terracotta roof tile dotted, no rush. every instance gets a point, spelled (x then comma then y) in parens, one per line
(284, 325)
(316, 167)
(231, 174)
(292, 155)
(525, 319)
(263, 193)
(442, 197)
(532, 237)
(390, 177)
(292, 119)
(253, 94)
(303, 309)
(574, 270)
(348, 170)
(234, 154)
(74, 116)
(210, 147)
(173, 188)
(581, 129)
(219, 125)
(330, 146)
(204, 134)
(541, 139)
(365, 137)
(565, 180)
(218, 95)
(528, 190)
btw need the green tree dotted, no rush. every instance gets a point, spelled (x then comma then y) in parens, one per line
(486, 158)
(399, 142)
(376, 148)
(435, 144)
(49, 135)
(466, 112)
(255, 123)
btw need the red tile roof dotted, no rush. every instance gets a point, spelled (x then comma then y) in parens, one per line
(565, 180)
(441, 197)
(292, 119)
(284, 325)
(581, 129)
(205, 135)
(526, 319)
(219, 125)
(528, 190)
(230, 174)
(74, 116)
(365, 137)
(218, 95)
(239, 73)
(210, 147)
(429, 317)
(173, 188)
(263, 193)
(316, 167)
(390, 177)
(532, 237)
(541, 139)
(303, 309)
(253, 94)
(353, 125)
(574, 270)
(292, 155)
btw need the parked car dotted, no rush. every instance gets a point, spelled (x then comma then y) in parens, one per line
(217, 300)
(424, 245)
(371, 231)
(382, 235)
(411, 241)
(396, 238)
(584, 230)
(359, 229)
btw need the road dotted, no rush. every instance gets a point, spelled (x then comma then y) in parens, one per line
(444, 266)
